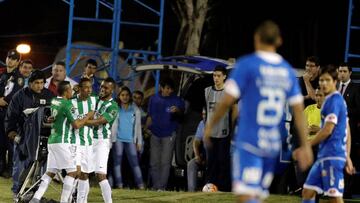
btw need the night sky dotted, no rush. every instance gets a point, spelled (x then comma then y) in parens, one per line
(308, 28)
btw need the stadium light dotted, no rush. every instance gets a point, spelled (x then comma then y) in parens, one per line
(23, 48)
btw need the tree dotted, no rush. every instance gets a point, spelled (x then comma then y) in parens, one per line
(191, 15)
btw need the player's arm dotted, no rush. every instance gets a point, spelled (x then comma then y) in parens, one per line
(234, 115)
(349, 168)
(106, 117)
(96, 122)
(79, 123)
(300, 124)
(324, 133)
(348, 140)
(304, 153)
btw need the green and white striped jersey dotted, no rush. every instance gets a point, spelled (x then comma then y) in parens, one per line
(109, 110)
(61, 130)
(85, 134)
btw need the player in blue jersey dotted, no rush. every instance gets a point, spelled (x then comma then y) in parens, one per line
(265, 82)
(326, 175)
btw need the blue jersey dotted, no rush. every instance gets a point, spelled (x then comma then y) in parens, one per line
(334, 110)
(265, 82)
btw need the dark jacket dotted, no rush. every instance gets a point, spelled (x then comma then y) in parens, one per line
(314, 84)
(29, 144)
(14, 77)
(24, 99)
(352, 98)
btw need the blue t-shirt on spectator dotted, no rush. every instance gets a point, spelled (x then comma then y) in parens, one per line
(126, 124)
(200, 131)
(164, 123)
(95, 83)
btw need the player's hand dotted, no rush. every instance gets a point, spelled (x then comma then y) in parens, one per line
(207, 133)
(91, 114)
(50, 119)
(3, 102)
(304, 156)
(349, 167)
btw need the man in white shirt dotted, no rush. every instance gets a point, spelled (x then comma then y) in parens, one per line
(58, 74)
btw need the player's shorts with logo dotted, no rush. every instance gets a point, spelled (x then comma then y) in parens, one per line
(252, 174)
(327, 176)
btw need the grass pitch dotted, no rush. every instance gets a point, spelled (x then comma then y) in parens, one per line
(123, 195)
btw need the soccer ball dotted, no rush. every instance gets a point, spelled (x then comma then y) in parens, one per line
(209, 187)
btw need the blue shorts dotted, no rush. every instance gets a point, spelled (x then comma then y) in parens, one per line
(252, 174)
(327, 176)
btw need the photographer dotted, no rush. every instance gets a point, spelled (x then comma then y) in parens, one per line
(33, 96)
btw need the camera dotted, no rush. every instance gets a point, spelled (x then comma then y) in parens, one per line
(45, 132)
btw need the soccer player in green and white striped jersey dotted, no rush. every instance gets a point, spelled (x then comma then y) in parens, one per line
(106, 112)
(84, 103)
(61, 150)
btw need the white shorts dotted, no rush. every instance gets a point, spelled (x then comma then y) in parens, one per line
(101, 155)
(85, 158)
(61, 156)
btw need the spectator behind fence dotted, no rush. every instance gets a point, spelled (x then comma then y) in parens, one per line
(138, 99)
(10, 82)
(199, 161)
(58, 73)
(310, 80)
(127, 135)
(165, 110)
(25, 69)
(89, 72)
(30, 97)
(350, 91)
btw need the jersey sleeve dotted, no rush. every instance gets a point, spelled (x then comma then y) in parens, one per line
(332, 110)
(237, 80)
(294, 94)
(68, 111)
(110, 113)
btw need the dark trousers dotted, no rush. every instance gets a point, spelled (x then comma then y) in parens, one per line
(218, 163)
(6, 146)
